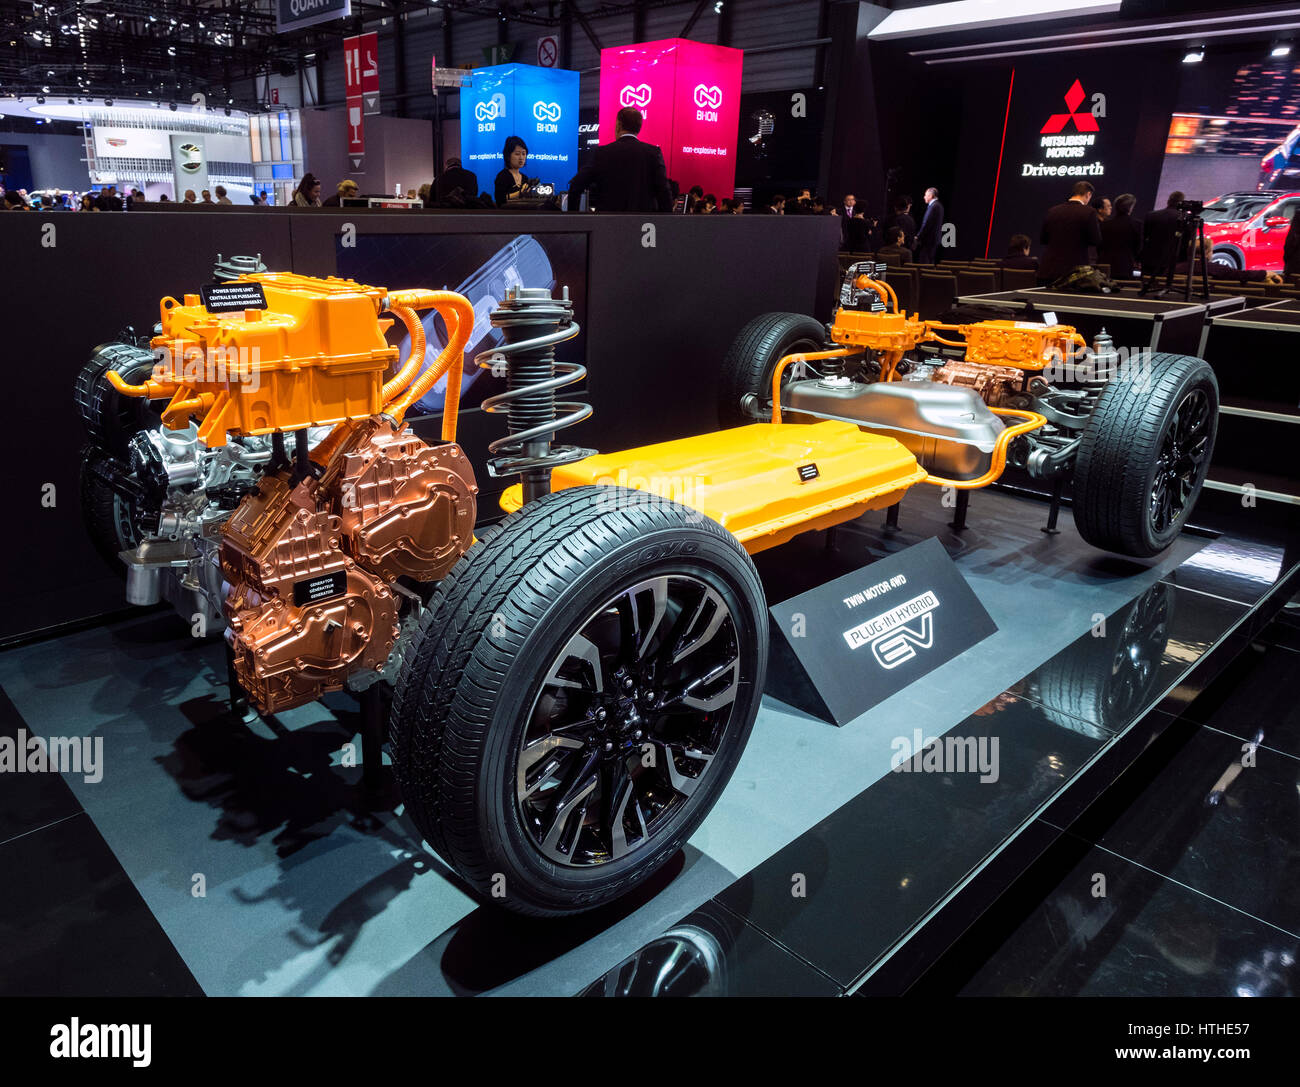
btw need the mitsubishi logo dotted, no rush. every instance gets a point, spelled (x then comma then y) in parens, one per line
(546, 111)
(708, 97)
(635, 96)
(1083, 122)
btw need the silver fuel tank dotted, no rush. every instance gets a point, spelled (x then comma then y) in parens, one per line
(948, 428)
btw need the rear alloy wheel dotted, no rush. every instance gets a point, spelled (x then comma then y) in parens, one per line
(1144, 455)
(577, 696)
(745, 394)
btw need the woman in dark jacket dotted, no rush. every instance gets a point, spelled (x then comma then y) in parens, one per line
(1121, 239)
(511, 183)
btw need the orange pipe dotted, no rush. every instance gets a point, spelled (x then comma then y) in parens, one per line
(880, 286)
(415, 330)
(458, 314)
(801, 357)
(1032, 422)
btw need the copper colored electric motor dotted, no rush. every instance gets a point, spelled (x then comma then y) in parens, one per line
(312, 563)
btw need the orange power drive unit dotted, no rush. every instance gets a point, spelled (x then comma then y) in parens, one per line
(244, 371)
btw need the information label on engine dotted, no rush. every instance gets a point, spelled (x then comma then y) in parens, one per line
(232, 297)
(320, 588)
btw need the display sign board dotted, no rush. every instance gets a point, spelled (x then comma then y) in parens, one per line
(548, 51)
(361, 70)
(689, 96)
(296, 14)
(189, 163)
(539, 105)
(232, 297)
(843, 647)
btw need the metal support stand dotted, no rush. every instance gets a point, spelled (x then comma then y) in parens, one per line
(1054, 510)
(958, 521)
(238, 696)
(373, 721)
(891, 517)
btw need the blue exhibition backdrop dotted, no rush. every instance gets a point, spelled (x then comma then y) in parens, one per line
(539, 105)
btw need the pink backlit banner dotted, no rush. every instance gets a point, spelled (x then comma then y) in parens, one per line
(689, 94)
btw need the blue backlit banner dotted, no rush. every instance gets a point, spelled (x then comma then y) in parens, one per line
(539, 105)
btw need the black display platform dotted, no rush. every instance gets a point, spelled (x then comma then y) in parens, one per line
(309, 892)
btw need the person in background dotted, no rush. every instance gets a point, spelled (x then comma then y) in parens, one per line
(422, 193)
(1291, 251)
(190, 198)
(252, 199)
(894, 251)
(1160, 238)
(455, 184)
(1121, 239)
(307, 194)
(1068, 231)
(108, 199)
(1102, 206)
(626, 174)
(1018, 253)
(818, 207)
(776, 206)
(347, 188)
(135, 199)
(930, 233)
(694, 196)
(163, 198)
(222, 198)
(708, 204)
(511, 183)
(206, 198)
(1221, 269)
(15, 201)
(87, 203)
(902, 218)
(264, 199)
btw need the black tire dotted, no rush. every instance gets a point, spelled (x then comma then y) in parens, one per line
(747, 368)
(494, 638)
(109, 417)
(1133, 453)
(1229, 255)
(109, 516)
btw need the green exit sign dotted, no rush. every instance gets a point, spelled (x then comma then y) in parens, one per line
(498, 54)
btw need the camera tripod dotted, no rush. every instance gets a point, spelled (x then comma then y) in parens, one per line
(1191, 228)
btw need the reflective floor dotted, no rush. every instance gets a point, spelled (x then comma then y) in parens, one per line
(241, 858)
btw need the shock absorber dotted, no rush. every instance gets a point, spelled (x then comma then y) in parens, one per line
(532, 323)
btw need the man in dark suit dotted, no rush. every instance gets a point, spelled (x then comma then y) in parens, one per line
(1121, 239)
(1069, 229)
(626, 175)
(930, 233)
(455, 184)
(1160, 244)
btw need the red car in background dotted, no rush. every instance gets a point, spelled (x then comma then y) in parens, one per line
(1248, 229)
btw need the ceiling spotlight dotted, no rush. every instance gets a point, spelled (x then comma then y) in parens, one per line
(108, 101)
(171, 106)
(1282, 49)
(227, 111)
(45, 90)
(717, 8)
(40, 99)
(1194, 56)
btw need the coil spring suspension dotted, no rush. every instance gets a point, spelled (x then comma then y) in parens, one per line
(533, 323)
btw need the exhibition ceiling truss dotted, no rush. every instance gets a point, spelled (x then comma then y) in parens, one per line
(179, 48)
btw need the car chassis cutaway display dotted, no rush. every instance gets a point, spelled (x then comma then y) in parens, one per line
(574, 685)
